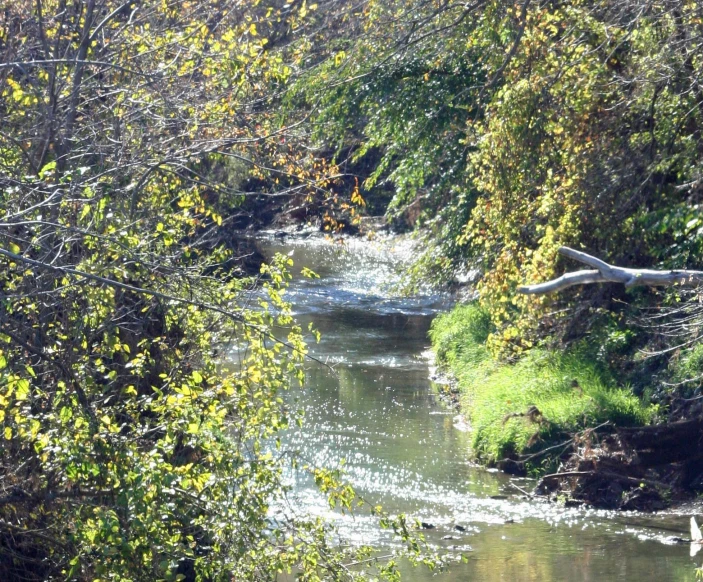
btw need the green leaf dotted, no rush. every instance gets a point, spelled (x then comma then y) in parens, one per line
(47, 169)
(22, 390)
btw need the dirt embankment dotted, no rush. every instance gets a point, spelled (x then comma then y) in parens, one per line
(642, 468)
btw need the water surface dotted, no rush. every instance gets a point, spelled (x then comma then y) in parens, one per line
(402, 449)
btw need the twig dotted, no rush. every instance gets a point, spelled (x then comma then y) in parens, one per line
(112, 283)
(523, 491)
(540, 453)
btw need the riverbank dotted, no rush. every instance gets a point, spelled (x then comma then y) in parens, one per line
(520, 413)
(376, 418)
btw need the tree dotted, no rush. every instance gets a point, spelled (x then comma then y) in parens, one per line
(128, 451)
(512, 129)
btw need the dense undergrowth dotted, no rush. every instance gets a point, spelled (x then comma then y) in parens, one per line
(518, 409)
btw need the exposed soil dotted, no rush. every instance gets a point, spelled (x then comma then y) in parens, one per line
(641, 468)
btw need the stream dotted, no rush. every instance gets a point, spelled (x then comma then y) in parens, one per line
(404, 450)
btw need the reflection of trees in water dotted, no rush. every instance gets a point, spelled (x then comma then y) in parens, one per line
(391, 406)
(534, 551)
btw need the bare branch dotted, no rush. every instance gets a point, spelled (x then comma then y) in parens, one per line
(605, 273)
(140, 290)
(118, 285)
(43, 62)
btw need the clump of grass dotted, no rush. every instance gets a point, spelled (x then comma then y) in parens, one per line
(686, 370)
(460, 335)
(570, 391)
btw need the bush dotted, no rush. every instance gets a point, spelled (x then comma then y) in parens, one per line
(461, 334)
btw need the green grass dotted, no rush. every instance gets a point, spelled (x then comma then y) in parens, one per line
(686, 369)
(570, 391)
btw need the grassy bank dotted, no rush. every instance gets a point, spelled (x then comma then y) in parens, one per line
(569, 391)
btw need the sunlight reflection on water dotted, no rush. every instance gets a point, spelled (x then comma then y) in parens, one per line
(402, 450)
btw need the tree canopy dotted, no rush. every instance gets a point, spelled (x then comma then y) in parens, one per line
(129, 134)
(509, 129)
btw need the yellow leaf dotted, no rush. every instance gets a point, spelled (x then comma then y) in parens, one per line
(22, 390)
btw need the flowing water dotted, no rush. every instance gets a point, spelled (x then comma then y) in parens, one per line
(404, 450)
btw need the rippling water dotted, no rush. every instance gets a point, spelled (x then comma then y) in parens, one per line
(402, 449)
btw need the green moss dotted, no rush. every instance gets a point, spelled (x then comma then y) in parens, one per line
(569, 389)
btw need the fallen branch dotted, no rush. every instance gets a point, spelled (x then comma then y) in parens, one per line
(605, 273)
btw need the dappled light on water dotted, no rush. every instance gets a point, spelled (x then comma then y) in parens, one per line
(377, 417)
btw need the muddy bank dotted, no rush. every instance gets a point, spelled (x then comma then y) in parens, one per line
(608, 467)
(606, 464)
(643, 468)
